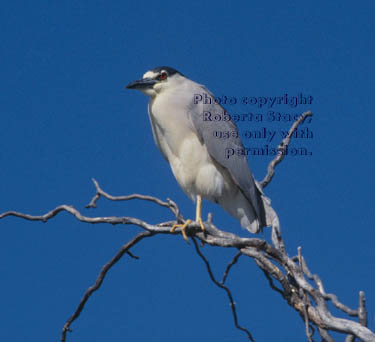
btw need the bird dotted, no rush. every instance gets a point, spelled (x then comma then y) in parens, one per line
(186, 138)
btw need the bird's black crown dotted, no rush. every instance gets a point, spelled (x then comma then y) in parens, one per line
(168, 69)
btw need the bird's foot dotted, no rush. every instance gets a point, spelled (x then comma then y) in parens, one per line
(183, 227)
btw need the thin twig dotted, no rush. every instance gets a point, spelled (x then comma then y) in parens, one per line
(226, 272)
(326, 337)
(271, 283)
(132, 255)
(303, 294)
(231, 301)
(362, 312)
(328, 296)
(281, 148)
(124, 249)
(100, 192)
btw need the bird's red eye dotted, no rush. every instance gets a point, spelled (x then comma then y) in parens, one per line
(163, 76)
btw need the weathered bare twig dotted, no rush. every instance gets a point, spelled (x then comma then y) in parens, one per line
(280, 156)
(326, 337)
(327, 296)
(229, 266)
(305, 301)
(124, 249)
(100, 192)
(271, 283)
(362, 313)
(226, 289)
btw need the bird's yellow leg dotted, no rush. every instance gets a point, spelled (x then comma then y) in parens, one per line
(198, 213)
(183, 228)
(198, 218)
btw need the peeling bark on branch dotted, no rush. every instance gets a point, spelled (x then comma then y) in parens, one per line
(290, 277)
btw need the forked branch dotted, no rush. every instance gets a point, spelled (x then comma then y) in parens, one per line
(290, 277)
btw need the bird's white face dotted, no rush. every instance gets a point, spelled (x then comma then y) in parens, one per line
(164, 81)
(154, 83)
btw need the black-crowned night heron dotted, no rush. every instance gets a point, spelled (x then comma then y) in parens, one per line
(181, 113)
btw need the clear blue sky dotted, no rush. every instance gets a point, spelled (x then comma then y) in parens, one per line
(65, 117)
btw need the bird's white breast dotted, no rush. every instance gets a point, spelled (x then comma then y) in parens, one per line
(177, 139)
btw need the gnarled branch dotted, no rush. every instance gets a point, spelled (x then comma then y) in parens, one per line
(309, 299)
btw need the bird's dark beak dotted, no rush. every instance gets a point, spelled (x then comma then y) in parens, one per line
(141, 84)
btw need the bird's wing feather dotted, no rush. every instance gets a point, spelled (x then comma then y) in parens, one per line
(237, 165)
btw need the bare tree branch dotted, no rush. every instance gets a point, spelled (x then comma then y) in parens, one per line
(99, 192)
(281, 148)
(124, 249)
(327, 296)
(326, 337)
(225, 288)
(305, 300)
(362, 313)
(272, 261)
(229, 266)
(271, 283)
(301, 289)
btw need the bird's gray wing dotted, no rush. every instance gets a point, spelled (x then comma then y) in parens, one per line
(237, 165)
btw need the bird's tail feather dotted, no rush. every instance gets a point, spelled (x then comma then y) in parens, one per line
(270, 212)
(239, 207)
(272, 220)
(251, 222)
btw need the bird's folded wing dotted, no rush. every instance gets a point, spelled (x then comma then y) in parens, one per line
(237, 164)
